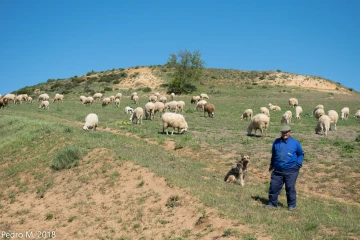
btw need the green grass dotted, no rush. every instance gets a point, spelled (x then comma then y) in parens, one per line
(33, 139)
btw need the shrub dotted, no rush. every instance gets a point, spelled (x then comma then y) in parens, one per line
(67, 157)
(109, 89)
(357, 139)
(147, 89)
(278, 70)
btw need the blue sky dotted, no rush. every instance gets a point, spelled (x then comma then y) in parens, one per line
(42, 39)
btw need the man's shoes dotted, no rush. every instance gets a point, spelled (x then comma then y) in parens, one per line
(292, 208)
(270, 207)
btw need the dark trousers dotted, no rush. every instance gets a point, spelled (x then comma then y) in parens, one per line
(278, 179)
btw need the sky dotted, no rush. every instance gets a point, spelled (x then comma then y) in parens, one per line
(42, 39)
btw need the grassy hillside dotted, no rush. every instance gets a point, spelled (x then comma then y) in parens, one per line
(93, 199)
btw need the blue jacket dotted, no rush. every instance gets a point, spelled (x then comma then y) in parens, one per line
(286, 154)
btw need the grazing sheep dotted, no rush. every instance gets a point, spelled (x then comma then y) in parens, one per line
(293, 102)
(180, 106)
(59, 97)
(129, 110)
(30, 100)
(149, 110)
(247, 114)
(274, 108)
(204, 95)
(159, 107)
(82, 98)
(88, 101)
(135, 99)
(112, 98)
(319, 112)
(137, 115)
(172, 106)
(259, 121)
(265, 111)
(18, 99)
(200, 104)
(174, 120)
(105, 102)
(4, 102)
(334, 117)
(118, 96)
(153, 98)
(98, 96)
(357, 114)
(163, 99)
(318, 107)
(286, 118)
(132, 95)
(157, 94)
(91, 122)
(44, 104)
(117, 102)
(345, 112)
(323, 125)
(298, 111)
(172, 95)
(195, 99)
(43, 97)
(10, 96)
(210, 109)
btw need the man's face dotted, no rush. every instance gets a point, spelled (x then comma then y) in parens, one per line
(285, 135)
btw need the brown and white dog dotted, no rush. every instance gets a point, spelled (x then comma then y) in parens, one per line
(239, 171)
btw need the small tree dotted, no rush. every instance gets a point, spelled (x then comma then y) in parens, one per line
(187, 68)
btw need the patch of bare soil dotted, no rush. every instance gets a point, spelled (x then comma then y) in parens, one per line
(105, 199)
(144, 78)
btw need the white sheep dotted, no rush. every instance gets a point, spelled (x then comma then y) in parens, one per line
(323, 125)
(172, 95)
(10, 96)
(117, 102)
(82, 98)
(357, 114)
(44, 104)
(259, 121)
(88, 100)
(195, 99)
(298, 111)
(274, 108)
(153, 98)
(97, 96)
(129, 110)
(163, 99)
(317, 107)
(106, 101)
(132, 95)
(172, 106)
(112, 98)
(135, 98)
(265, 111)
(43, 97)
(118, 96)
(319, 112)
(204, 95)
(293, 102)
(180, 106)
(159, 107)
(200, 104)
(91, 122)
(137, 115)
(345, 112)
(209, 108)
(247, 114)
(149, 110)
(334, 117)
(18, 99)
(286, 118)
(30, 100)
(174, 120)
(58, 97)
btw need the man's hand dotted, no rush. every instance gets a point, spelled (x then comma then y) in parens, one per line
(271, 168)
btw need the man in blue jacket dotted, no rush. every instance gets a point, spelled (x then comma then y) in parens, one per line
(286, 161)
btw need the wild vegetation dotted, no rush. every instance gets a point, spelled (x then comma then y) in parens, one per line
(109, 183)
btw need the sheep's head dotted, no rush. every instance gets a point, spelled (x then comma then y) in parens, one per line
(85, 128)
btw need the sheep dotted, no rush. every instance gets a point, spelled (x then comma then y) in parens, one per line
(43, 97)
(334, 117)
(180, 106)
(149, 110)
(172, 106)
(105, 102)
(204, 95)
(117, 102)
(247, 114)
(44, 104)
(88, 100)
(172, 95)
(298, 111)
(357, 114)
(319, 112)
(135, 99)
(128, 110)
(153, 98)
(18, 99)
(137, 115)
(132, 95)
(323, 125)
(112, 98)
(91, 122)
(159, 107)
(259, 121)
(317, 107)
(82, 98)
(210, 109)
(59, 97)
(274, 108)
(265, 111)
(163, 99)
(293, 102)
(97, 96)
(118, 96)
(4, 102)
(200, 104)
(345, 113)
(24, 96)
(10, 96)
(30, 100)
(157, 94)
(286, 118)
(195, 99)
(174, 120)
